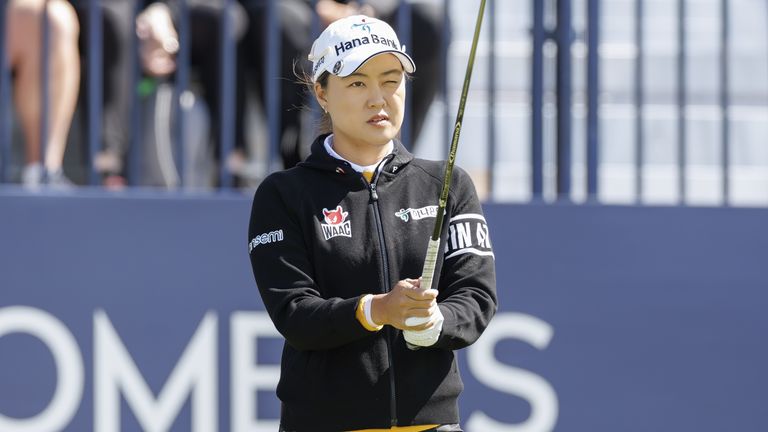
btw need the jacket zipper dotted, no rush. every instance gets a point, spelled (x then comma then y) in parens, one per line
(386, 288)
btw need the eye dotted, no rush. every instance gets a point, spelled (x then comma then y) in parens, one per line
(357, 84)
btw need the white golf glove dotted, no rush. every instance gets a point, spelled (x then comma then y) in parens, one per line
(428, 337)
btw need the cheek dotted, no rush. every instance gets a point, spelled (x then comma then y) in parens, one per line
(343, 101)
(398, 100)
(400, 92)
(337, 106)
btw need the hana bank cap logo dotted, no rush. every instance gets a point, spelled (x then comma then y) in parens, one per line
(362, 25)
(336, 223)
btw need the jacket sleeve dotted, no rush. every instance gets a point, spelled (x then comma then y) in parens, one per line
(283, 269)
(467, 284)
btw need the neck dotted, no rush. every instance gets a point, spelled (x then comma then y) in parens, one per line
(360, 153)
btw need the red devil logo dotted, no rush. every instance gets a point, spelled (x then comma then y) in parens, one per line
(335, 217)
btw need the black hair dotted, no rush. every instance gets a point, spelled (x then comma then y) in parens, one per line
(324, 124)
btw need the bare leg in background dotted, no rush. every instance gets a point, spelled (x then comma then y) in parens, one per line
(24, 21)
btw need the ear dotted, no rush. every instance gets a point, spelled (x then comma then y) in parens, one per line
(320, 95)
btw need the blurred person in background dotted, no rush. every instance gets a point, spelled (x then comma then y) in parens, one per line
(117, 56)
(156, 23)
(157, 29)
(295, 21)
(24, 53)
(337, 245)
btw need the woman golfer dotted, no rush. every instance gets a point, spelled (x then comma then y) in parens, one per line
(337, 245)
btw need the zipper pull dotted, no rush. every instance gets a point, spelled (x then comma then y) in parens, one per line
(374, 195)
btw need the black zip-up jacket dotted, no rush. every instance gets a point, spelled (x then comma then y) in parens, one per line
(320, 238)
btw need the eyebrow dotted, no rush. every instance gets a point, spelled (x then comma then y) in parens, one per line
(389, 72)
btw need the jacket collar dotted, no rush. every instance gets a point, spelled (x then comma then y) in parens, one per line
(320, 159)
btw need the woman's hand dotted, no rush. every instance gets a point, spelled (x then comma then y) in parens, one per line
(405, 300)
(159, 41)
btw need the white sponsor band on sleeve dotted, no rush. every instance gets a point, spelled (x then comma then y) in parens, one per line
(467, 216)
(472, 251)
(468, 233)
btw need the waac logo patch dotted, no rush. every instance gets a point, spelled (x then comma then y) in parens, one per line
(336, 223)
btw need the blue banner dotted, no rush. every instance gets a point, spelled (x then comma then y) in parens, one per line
(139, 312)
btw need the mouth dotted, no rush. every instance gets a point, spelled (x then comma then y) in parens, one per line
(379, 120)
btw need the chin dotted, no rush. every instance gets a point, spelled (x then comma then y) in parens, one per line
(383, 137)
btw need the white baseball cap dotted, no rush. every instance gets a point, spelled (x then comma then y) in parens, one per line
(349, 42)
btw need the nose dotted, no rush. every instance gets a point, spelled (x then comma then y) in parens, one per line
(376, 98)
